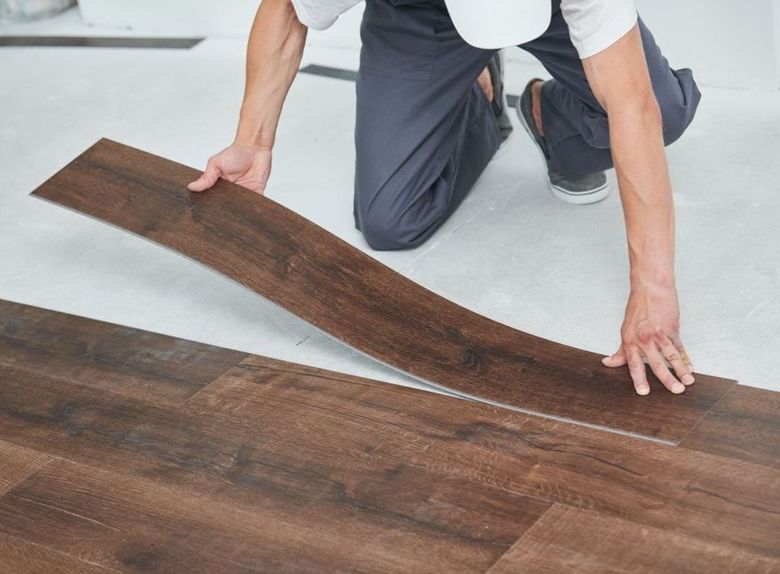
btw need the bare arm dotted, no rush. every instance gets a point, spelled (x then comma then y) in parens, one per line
(620, 80)
(273, 55)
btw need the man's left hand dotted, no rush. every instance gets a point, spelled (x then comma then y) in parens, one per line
(651, 333)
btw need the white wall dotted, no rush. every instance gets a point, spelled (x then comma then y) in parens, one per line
(727, 43)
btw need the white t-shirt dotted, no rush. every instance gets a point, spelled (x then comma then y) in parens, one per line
(593, 24)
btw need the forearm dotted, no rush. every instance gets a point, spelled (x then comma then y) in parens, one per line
(621, 82)
(273, 55)
(645, 191)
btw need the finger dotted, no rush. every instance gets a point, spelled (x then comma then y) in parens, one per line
(636, 366)
(485, 82)
(208, 179)
(616, 360)
(683, 353)
(675, 359)
(660, 370)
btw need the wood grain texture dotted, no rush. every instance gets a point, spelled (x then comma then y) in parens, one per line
(280, 467)
(123, 360)
(17, 463)
(350, 295)
(134, 524)
(723, 501)
(304, 506)
(744, 424)
(446, 476)
(18, 556)
(586, 542)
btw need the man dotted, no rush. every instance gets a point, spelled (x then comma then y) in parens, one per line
(426, 127)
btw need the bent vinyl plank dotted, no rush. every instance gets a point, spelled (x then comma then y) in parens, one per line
(346, 293)
(275, 466)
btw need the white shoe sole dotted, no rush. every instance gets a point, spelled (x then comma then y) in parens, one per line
(583, 198)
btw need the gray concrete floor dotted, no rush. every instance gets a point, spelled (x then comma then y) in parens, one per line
(512, 251)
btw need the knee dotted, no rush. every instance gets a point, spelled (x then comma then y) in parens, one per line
(678, 106)
(382, 232)
(386, 229)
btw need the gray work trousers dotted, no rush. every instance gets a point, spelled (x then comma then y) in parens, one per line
(425, 131)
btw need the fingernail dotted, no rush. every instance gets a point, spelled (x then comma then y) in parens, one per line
(643, 391)
(688, 379)
(678, 388)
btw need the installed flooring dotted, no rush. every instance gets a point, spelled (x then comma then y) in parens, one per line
(336, 287)
(126, 450)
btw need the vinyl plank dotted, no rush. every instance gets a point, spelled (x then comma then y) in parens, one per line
(723, 501)
(457, 521)
(18, 556)
(573, 540)
(456, 482)
(134, 523)
(98, 42)
(124, 360)
(744, 424)
(350, 295)
(17, 463)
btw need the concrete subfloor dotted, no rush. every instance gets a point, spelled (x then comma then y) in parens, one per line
(512, 251)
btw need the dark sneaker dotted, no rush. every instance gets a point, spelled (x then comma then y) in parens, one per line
(496, 69)
(581, 190)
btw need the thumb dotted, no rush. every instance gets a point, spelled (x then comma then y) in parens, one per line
(616, 360)
(207, 179)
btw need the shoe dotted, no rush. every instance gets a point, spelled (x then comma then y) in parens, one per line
(590, 188)
(496, 68)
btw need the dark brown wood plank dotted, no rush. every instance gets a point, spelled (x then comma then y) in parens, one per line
(744, 424)
(723, 501)
(350, 295)
(18, 556)
(124, 360)
(573, 540)
(354, 509)
(98, 42)
(17, 463)
(360, 455)
(134, 524)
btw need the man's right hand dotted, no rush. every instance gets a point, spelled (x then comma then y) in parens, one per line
(247, 165)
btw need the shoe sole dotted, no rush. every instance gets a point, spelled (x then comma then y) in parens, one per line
(582, 198)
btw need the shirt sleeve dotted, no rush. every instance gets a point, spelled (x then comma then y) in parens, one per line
(595, 25)
(321, 14)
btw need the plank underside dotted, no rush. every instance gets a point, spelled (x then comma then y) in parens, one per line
(273, 466)
(346, 293)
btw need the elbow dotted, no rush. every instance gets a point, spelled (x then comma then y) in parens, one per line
(638, 109)
(636, 105)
